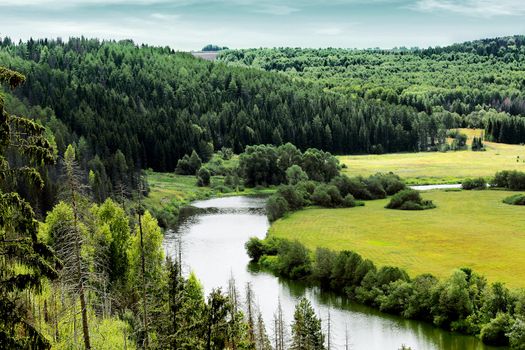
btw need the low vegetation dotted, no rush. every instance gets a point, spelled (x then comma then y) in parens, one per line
(478, 183)
(409, 200)
(517, 199)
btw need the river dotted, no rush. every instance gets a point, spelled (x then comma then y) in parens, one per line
(212, 242)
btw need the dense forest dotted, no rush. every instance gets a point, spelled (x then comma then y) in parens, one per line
(94, 276)
(474, 80)
(155, 105)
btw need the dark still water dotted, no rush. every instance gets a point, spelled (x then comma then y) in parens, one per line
(212, 241)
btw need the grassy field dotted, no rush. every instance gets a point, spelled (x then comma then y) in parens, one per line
(168, 189)
(440, 167)
(468, 228)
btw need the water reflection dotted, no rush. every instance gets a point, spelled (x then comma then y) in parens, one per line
(212, 236)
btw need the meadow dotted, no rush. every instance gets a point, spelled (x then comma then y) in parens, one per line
(467, 229)
(440, 167)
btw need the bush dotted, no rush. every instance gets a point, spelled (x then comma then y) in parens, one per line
(188, 165)
(321, 196)
(511, 179)
(474, 184)
(292, 195)
(276, 207)
(295, 174)
(350, 202)
(409, 200)
(203, 177)
(517, 199)
(294, 260)
(255, 248)
(495, 332)
(517, 335)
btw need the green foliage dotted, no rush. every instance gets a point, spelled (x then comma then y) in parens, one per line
(306, 328)
(409, 200)
(474, 184)
(276, 207)
(495, 332)
(512, 179)
(189, 165)
(294, 260)
(26, 262)
(517, 199)
(156, 105)
(203, 177)
(517, 335)
(295, 174)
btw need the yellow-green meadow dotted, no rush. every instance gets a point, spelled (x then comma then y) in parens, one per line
(467, 229)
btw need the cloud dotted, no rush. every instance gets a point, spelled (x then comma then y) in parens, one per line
(275, 9)
(329, 31)
(164, 17)
(477, 8)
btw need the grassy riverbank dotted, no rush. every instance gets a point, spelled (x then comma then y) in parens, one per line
(169, 192)
(440, 167)
(468, 228)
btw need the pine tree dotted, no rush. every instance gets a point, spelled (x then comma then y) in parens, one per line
(306, 328)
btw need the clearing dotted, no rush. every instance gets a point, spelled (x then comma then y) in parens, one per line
(440, 167)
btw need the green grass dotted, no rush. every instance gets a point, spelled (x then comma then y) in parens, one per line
(439, 167)
(468, 228)
(167, 189)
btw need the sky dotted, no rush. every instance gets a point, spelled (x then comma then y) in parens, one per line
(191, 24)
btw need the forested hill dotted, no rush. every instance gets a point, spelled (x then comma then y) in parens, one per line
(155, 105)
(461, 78)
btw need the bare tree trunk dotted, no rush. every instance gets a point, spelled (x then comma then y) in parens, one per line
(144, 294)
(81, 294)
(249, 308)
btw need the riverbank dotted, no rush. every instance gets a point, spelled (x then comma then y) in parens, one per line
(219, 235)
(168, 192)
(467, 229)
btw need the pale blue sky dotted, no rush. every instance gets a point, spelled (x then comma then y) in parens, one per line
(191, 24)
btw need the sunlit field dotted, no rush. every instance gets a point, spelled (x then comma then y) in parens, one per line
(468, 228)
(440, 167)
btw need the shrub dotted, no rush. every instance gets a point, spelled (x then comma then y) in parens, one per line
(495, 332)
(517, 335)
(409, 200)
(511, 179)
(517, 199)
(294, 260)
(295, 174)
(276, 207)
(188, 165)
(321, 196)
(203, 177)
(292, 195)
(255, 248)
(350, 202)
(474, 184)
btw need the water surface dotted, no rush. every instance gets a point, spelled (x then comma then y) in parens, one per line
(212, 241)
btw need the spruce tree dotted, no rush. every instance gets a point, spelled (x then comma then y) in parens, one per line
(306, 328)
(25, 260)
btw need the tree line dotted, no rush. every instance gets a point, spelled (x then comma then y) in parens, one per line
(96, 274)
(457, 78)
(464, 302)
(155, 105)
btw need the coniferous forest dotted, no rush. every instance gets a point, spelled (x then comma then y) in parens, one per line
(83, 121)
